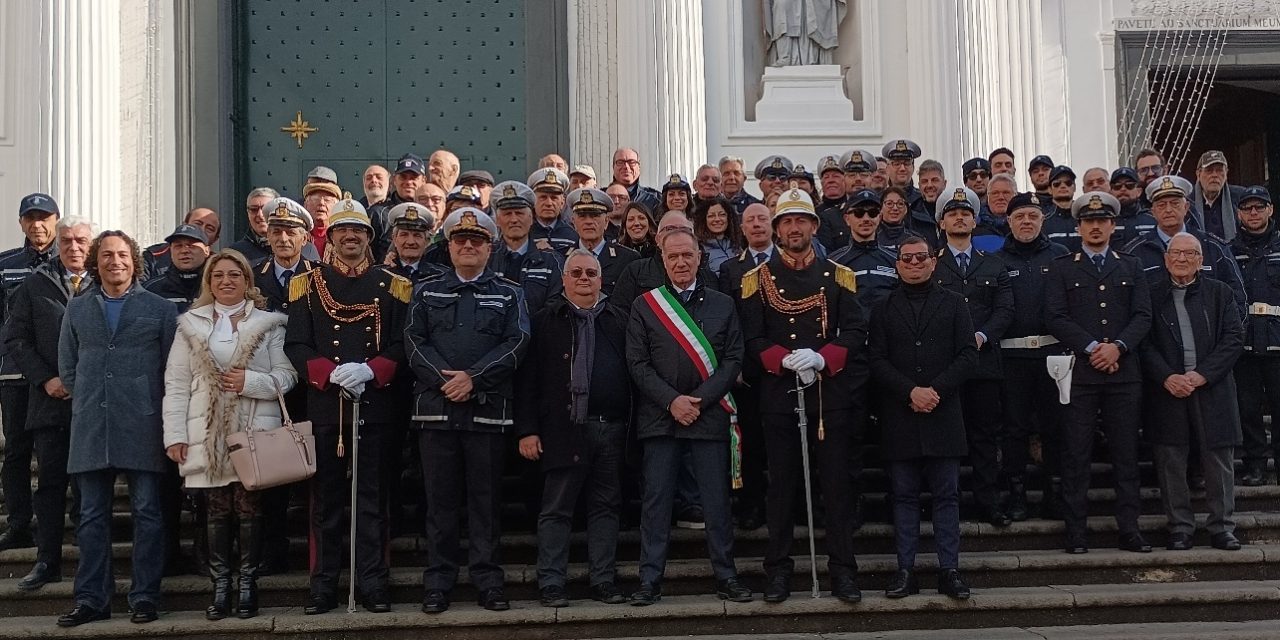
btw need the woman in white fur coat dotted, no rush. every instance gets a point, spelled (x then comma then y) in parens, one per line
(225, 370)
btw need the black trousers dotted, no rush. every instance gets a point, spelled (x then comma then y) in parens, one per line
(1031, 407)
(754, 483)
(331, 495)
(462, 467)
(15, 474)
(981, 401)
(837, 461)
(1120, 406)
(51, 447)
(1258, 389)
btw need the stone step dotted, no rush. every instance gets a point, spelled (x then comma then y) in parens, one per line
(1005, 611)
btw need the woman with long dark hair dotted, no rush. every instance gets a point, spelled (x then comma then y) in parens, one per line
(638, 229)
(677, 195)
(715, 223)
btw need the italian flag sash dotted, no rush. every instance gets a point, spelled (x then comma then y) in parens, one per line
(686, 333)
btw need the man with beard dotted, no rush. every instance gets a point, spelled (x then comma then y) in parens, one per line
(549, 187)
(1135, 218)
(993, 219)
(1258, 371)
(589, 207)
(345, 338)
(871, 262)
(982, 280)
(833, 233)
(1038, 170)
(976, 173)
(626, 172)
(517, 257)
(1058, 224)
(801, 319)
(1030, 395)
(773, 172)
(1099, 308)
(188, 249)
(733, 182)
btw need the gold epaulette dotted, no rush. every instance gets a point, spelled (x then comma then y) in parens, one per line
(751, 282)
(401, 288)
(845, 278)
(299, 286)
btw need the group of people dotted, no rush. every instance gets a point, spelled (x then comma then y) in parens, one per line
(720, 357)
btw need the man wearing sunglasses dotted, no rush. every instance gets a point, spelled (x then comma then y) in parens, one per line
(982, 280)
(1258, 371)
(1135, 217)
(1099, 308)
(1059, 226)
(976, 173)
(871, 262)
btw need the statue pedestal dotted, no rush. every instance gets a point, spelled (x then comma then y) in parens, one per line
(807, 97)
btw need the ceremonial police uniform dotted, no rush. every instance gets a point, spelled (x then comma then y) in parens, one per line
(175, 285)
(807, 307)
(1030, 395)
(1093, 299)
(559, 235)
(345, 335)
(982, 280)
(15, 266)
(613, 257)
(536, 267)
(1258, 370)
(481, 327)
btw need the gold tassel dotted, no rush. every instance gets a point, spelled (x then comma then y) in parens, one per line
(751, 282)
(401, 288)
(342, 448)
(846, 279)
(822, 430)
(299, 286)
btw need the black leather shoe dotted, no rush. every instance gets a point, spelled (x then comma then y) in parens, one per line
(733, 591)
(553, 596)
(494, 599)
(752, 518)
(1134, 542)
(607, 593)
(1254, 476)
(1179, 542)
(16, 539)
(1076, 544)
(997, 517)
(40, 575)
(646, 595)
(319, 604)
(902, 585)
(144, 612)
(81, 614)
(952, 585)
(436, 601)
(377, 602)
(846, 589)
(778, 589)
(1225, 541)
(1016, 506)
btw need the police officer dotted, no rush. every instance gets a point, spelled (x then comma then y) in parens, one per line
(1059, 227)
(411, 225)
(833, 233)
(976, 172)
(1135, 218)
(530, 263)
(1030, 396)
(1169, 207)
(1099, 309)
(590, 208)
(463, 195)
(802, 178)
(873, 264)
(1258, 370)
(902, 155)
(156, 259)
(773, 172)
(801, 319)
(37, 215)
(1038, 171)
(188, 248)
(982, 280)
(549, 187)
(345, 338)
(468, 330)
(859, 167)
(677, 195)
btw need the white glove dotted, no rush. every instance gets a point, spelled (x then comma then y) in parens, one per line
(351, 374)
(805, 359)
(355, 390)
(789, 362)
(807, 376)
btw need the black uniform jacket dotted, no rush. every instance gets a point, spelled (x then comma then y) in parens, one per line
(875, 268)
(988, 295)
(1219, 338)
(31, 340)
(935, 349)
(543, 382)
(662, 370)
(772, 334)
(480, 327)
(277, 295)
(1259, 258)
(1084, 305)
(537, 271)
(1219, 263)
(179, 287)
(15, 266)
(1028, 266)
(319, 338)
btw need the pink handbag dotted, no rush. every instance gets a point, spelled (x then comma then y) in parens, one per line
(265, 459)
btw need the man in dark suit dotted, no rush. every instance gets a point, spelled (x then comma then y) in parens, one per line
(922, 349)
(982, 281)
(1099, 308)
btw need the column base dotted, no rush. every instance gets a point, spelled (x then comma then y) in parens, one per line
(808, 97)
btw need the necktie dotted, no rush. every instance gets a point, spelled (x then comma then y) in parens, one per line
(963, 260)
(686, 295)
(761, 258)
(1097, 262)
(75, 283)
(285, 277)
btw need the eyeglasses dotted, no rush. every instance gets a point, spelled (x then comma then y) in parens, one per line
(1260, 207)
(1189, 254)
(626, 163)
(469, 240)
(1124, 186)
(1155, 170)
(578, 272)
(256, 209)
(1063, 183)
(863, 213)
(901, 163)
(915, 258)
(893, 204)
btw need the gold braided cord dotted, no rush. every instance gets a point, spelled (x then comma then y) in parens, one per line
(792, 307)
(349, 313)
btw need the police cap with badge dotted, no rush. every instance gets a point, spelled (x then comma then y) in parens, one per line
(590, 202)
(188, 232)
(464, 193)
(795, 202)
(470, 221)
(410, 163)
(975, 164)
(858, 161)
(960, 198)
(774, 166)
(1166, 186)
(37, 202)
(285, 212)
(829, 163)
(1095, 204)
(549, 180)
(411, 216)
(1027, 200)
(901, 149)
(512, 194)
(349, 213)
(1255, 193)
(1040, 161)
(863, 200)
(676, 181)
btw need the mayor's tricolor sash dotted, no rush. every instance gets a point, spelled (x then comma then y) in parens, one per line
(690, 338)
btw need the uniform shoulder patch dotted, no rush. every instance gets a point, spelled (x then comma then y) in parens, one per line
(751, 282)
(300, 285)
(845, 277)
(401, 287)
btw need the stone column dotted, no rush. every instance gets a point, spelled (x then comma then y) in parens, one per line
(934, 70)
(593, 84)
(661, 86)
(83, 126)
